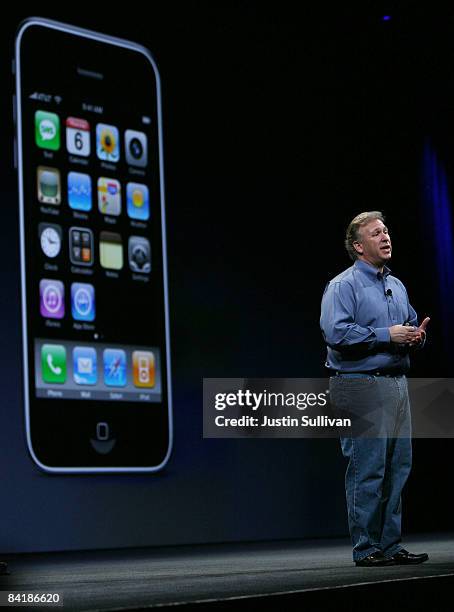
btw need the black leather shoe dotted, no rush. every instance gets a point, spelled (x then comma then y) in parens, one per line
(403, 557)
(376, 559)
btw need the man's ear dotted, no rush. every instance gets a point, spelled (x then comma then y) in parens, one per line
(358, 247)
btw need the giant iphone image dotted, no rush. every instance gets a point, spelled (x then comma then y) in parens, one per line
(95, 323)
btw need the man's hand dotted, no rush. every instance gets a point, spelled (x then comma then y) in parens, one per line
(422, 332)
(405, 334)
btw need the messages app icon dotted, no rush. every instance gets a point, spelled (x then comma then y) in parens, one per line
(47, 130)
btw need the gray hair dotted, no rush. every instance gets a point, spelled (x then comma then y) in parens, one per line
(352, 234)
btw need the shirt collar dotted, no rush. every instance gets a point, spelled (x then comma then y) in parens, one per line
(371, 270)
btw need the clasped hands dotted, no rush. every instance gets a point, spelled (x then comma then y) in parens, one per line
(408, 334)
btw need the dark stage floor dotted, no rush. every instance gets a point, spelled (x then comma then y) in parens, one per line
(294, 574)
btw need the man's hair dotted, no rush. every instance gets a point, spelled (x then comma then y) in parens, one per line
(352, 234)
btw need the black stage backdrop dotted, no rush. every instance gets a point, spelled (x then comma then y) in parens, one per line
(278, 128)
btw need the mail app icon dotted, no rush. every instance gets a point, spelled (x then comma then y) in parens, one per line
(85, 365)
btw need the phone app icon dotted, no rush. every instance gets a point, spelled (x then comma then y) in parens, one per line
(85, 365)
(50, 239)
(53, 363)
(143, 368)
(136, 148)
(138, 201)
(51, 298)
(47, 130)
(109, 196)
(79, 191)
(114, 367)
(139, 254)
(107, 147)
(111, 251)
(81, 252)
(48, 185)
(83, 302)
(78, 136)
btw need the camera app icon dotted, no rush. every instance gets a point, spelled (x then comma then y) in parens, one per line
(139, 254)
(136, 149)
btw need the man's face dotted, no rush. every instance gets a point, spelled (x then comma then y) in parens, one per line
(374, 244)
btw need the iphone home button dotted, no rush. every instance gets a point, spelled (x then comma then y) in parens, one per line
(103, 443)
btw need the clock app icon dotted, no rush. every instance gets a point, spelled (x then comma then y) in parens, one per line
(50, 239)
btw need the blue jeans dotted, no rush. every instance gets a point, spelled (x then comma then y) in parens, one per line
(379, 461)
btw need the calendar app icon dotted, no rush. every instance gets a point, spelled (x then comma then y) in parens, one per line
(78, 136)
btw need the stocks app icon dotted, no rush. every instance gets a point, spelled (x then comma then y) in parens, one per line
(79, 191)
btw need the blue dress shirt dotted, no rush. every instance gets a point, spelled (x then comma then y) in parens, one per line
(358, 308)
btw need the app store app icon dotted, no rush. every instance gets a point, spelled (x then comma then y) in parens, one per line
(83, 301)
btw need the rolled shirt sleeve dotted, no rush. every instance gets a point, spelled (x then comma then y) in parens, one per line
(338, 325)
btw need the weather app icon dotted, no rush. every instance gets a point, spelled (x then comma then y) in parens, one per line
(138, 201)
(114, 367)
(79, 191)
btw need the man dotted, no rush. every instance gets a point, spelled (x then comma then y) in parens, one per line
(370, 327)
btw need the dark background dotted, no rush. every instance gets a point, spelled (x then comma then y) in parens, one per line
(279, 127)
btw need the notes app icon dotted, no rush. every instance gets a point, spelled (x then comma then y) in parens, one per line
(111, 251)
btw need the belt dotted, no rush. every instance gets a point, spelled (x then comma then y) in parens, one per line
(395, 372)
